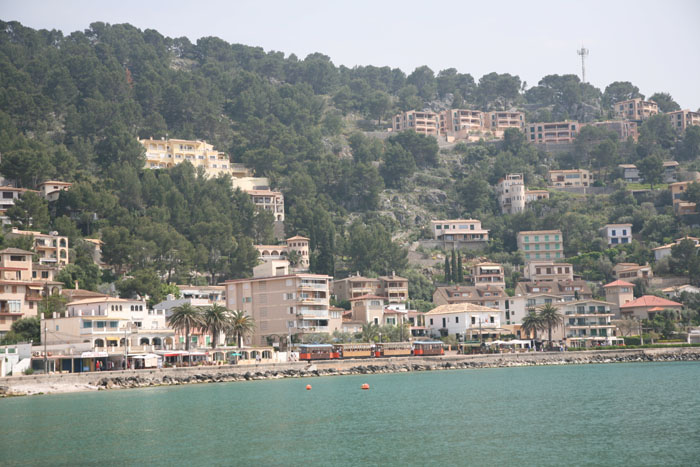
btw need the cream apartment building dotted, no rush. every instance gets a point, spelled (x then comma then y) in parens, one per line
(281, 302)
(51, 189)
(459, 230)
(635, 109)
(682, 119)
(570, 178)
(165, 153)
(554, 132)
(391, 288)
(51, 249)
(422, 122)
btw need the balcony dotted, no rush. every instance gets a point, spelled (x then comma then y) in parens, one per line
(312, 286)
(321, 313)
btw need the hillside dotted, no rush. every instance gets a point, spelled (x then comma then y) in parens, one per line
(72, 107)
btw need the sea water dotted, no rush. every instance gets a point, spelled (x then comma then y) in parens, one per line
(613, 414)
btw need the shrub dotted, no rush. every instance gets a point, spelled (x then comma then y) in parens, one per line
(29, 371)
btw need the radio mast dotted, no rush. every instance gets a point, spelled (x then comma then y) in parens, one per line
(583, 52)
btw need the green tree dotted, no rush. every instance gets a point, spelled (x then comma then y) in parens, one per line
(460, 269)
(685, 260)
(217, 320)
(241, 326)
(370, 332)
(30, 211)
(23, 330)
(448, 270)
(532, 322)
(454, 268)
(551, 318)
(620, 91)
(665, 102)
(688, 148)
(184, 318)
(651, 168)
(52, 303)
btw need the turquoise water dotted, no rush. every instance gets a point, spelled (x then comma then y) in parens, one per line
(622, 414)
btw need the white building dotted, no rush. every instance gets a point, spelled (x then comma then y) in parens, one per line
(465, 319)
(617, 234)
(459, 230)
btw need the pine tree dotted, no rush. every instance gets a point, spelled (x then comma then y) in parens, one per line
(454, 267)
(460, 270)
(448, 278)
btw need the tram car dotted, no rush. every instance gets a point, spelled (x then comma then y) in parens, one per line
(355, 350)
(317, 352)
(426, 348)
(393, 349)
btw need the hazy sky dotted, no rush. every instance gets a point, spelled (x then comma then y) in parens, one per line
(653, 44)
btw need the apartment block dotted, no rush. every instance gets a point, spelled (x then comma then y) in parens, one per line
(535, 195)
(8, 196)
(487, 295)
(391, 288)
(617, 234)
(20, 294)
(459, 230)
(671, 171)
(555, 132)
(630, 173)
(588, 323)
(51, 249)
(631, 271)
(541, 244)
(682, 119)
(635, 109)
(549, 271)
(570, 178)
(680, 206)
(511, 193)
(165, 153)
(498, 122)
(51, 189)
(462, 123)
(488, 274)
(269, 200)
(106, 322)
(663, 251)
(297, 244)
(422, 122)
(473, 322)
(281, 302)
(625, 129)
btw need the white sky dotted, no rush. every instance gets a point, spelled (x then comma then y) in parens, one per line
(653, 44)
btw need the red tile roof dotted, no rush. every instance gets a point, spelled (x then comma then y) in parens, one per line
(650, 301)
(619, 283)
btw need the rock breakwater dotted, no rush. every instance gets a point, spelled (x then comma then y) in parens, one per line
(27, 385)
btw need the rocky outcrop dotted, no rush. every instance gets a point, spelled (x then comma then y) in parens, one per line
(505, 361)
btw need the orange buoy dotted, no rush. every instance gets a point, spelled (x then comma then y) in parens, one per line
(308, 387)
(365, 386)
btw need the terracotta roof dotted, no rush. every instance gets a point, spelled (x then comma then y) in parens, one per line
(619, 283)
(650, 301)
(367, 297)
(533, 232)
(298, 237)
(462, 308)
(15, 251)
(100, 300)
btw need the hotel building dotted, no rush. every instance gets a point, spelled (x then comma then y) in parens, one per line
(682, 119)
(422, 122)
(555, 132)
(281, 302)
(541, 244)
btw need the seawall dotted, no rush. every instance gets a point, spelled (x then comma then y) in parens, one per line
(74, 382)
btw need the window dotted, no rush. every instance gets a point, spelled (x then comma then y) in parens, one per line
(473, 319)
(431, 321)
(456, 319)
(87, 324)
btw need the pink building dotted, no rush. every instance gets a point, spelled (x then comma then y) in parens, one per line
(554, 132)
(422, 122)
(682, 119)
(635, 109)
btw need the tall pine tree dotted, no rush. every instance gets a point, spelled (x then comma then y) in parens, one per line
(448, 277)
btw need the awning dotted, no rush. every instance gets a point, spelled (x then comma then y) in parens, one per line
(94, 354)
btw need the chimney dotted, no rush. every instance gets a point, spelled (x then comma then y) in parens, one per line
(76, 284)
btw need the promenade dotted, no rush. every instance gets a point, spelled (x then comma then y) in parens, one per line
(75, 382)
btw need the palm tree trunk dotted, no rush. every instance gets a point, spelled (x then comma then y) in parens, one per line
(550, 337)
(240, 340)
(187, 337)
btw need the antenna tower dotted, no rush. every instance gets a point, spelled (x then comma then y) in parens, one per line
(583, 52)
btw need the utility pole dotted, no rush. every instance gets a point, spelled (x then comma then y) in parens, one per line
(583, 52)
(46, 359)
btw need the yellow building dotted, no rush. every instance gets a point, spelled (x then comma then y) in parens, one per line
(422, 122)
(166, 153)
(635, 109)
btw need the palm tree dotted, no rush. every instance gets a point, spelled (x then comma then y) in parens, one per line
(532, 323)
(551, 318)
(369, 331)
(241, 325)
(217, 319)
(185, 317)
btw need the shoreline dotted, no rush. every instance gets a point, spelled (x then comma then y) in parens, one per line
(13, 386)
